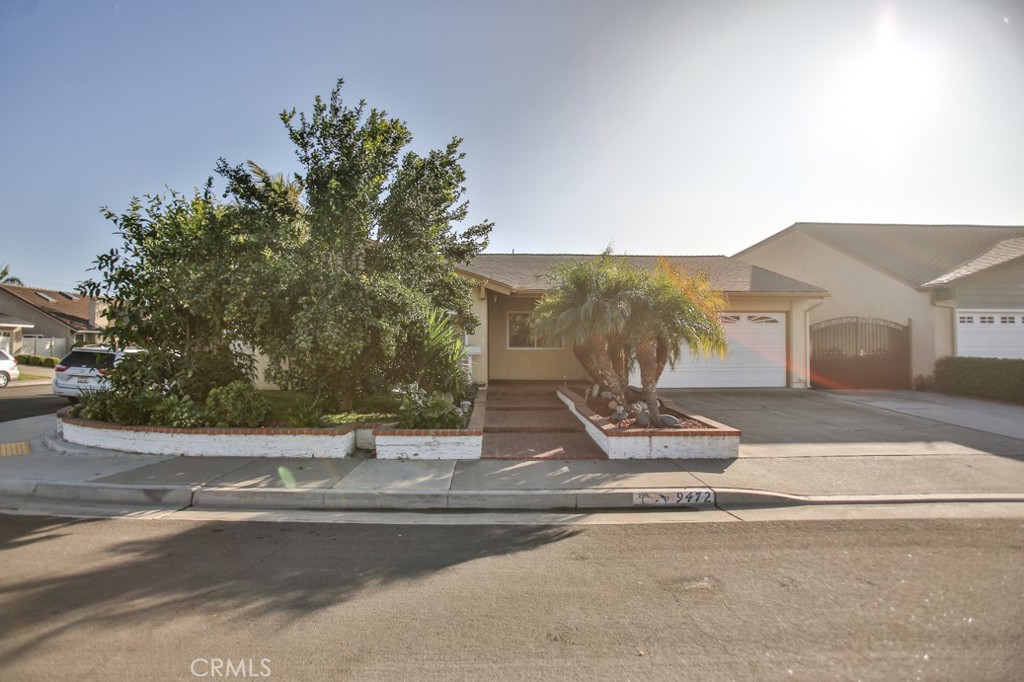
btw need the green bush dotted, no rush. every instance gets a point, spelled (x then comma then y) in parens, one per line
(36, 360)
(21, 359)
(422, 410)
(50, 362)
(994, 378)
(178, 411)
(237, 404)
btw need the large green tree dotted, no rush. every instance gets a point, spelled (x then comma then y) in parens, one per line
(334, 273)
(616, 315)
(346, 273)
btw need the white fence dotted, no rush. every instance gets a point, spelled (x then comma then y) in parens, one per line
(47, 347)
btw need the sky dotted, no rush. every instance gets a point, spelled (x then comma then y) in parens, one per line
(687, 127)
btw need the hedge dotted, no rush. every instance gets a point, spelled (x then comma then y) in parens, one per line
(994, 378)
(36, 360)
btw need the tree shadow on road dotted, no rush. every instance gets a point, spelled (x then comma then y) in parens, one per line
(240, 571)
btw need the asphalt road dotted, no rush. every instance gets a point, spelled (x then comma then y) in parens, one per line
(181, 600)
(18, 402)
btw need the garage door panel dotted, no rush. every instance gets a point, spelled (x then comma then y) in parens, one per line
(990, 333)
(756, 357)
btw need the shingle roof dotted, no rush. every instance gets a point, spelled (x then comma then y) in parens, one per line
(58, 305)
(916, 254)
(1003, 252)
(529, 272)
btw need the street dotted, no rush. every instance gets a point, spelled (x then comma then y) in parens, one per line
(18, 402)
(130, 599)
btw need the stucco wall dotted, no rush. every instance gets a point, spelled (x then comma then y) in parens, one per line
(478, 338)
(857, 289)
(999, 288)
(524, 364)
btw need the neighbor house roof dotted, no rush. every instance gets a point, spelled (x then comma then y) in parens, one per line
(8, 321)
(529, 273)
(1003, 252)
(68, 308)
(916, 254)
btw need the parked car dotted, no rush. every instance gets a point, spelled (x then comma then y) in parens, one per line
(8, 368)
(84, 370)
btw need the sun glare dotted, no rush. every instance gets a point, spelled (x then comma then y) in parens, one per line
(881, 98)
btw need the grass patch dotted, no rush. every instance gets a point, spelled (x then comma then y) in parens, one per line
(33, 377)
(289, 408)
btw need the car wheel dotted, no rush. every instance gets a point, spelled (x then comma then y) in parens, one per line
(5, 378)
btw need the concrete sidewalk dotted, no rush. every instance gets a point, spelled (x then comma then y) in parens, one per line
(60, 472)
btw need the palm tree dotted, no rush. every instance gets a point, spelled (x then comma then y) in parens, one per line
(587, 308)
(614, 314)
(5, 278)
(669, 310)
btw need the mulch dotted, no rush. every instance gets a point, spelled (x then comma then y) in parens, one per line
(600, 405)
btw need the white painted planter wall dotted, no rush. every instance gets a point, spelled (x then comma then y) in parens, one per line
(429, 447)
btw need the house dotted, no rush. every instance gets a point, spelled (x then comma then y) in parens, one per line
(902, 296)
(58, 319)
(766, 323)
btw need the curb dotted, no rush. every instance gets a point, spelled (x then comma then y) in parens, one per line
(330, 499)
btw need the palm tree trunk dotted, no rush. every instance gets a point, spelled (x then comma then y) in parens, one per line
(593, 355)
(652, 357)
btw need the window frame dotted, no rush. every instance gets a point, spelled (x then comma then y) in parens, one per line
(508, 334)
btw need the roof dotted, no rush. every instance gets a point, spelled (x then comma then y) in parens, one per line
(68, 308)
(1003, 252)
(8, 321)
(529, 273)
(916, 254)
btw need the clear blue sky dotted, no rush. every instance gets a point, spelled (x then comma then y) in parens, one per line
(663, 126)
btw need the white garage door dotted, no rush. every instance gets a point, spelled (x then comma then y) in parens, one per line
(756, 357)
(990, 333)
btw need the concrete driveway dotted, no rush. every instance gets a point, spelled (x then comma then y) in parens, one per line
(800, 423)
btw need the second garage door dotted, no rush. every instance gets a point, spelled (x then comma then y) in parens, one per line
(756, 357)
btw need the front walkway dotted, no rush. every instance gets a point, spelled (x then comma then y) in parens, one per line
(525, 420)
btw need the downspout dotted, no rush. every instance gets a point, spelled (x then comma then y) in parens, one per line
(807, 340)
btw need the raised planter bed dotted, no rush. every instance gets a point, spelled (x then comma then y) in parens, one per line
(340, 441)
(467, 443)
(703, 439)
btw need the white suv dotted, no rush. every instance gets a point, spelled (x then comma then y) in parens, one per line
(84, 370)
(8, 368)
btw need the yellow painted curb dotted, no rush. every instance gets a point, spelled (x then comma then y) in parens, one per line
(8, 449)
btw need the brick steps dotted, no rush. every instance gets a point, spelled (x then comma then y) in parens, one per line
(569, 446)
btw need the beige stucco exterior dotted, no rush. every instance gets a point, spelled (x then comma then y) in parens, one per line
(861, 290)
(497, 361)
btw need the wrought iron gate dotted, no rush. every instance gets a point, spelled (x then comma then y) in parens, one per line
(860, 352)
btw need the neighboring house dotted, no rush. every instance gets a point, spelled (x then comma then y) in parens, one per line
(766, 323)
(11, 330)
(903, 296)
(65, 317)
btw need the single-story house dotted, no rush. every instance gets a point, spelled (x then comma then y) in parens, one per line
(766, 323)
(902, 296)
(59, 319)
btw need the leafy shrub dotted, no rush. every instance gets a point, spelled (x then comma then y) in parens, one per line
(924, 382)
(422, 410)
(237, 404)
(50, 362)
(21, 359)
(306, 413)
(178, 411)
(994, 378)
(381, 403)
(36, 360)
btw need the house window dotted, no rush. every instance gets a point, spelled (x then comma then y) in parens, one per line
(519, 333)
(762, 319)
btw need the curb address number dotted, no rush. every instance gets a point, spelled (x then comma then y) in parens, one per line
(674, 498)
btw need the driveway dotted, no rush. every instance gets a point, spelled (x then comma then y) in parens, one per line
(799, 423)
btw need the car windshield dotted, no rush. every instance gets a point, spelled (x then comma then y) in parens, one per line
(89, 359)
